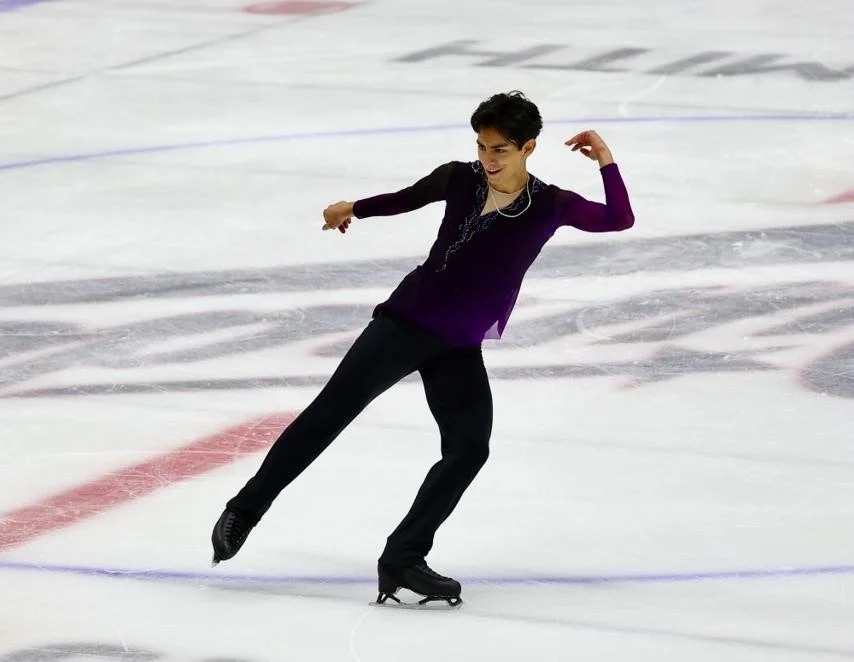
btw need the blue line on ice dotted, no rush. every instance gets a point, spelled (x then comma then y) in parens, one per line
(350, 133)
(219, 577)
(10, 5)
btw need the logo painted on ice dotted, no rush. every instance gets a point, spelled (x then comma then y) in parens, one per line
(660, 333)
(704, 64)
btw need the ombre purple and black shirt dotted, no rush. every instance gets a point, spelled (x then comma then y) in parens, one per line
(465, 290)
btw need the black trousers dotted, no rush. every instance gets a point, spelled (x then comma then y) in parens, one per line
(459, 397)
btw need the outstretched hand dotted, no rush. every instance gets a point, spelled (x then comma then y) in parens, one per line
(591, 145)
(339, 216)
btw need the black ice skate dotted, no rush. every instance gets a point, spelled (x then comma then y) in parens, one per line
(229, 534)
(420, 579)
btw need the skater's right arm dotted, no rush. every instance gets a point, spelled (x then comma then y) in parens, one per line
(428, 189)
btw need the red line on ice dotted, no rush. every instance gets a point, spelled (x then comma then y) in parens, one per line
(848, 196)
(120, 487)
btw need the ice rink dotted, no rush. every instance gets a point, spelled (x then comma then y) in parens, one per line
(672, 467)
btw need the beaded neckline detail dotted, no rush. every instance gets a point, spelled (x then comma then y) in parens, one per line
(475, 223)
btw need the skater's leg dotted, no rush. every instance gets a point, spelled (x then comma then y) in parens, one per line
(458, 393)
(386, 351)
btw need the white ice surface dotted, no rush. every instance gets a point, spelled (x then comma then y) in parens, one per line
(213, 139)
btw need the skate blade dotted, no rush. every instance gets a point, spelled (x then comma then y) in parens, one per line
(428, 603)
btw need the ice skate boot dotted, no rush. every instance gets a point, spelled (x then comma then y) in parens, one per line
(420, 579)
(229, 534)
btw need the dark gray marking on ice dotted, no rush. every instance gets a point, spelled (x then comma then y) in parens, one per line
(689, 62)
(761, 64)
(493, 58)
(33, 348)
(666, 363)
(595, 63)
(827, 321)
(833, 374)
(613, 256)
(55, 652)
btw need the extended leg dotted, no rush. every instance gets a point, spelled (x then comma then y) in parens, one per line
(385, 352)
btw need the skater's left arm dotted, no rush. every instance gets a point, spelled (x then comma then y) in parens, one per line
(616, 213)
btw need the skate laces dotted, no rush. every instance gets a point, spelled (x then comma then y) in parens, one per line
(236, 529)
(427, 570)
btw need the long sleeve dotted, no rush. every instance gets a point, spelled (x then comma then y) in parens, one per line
(431, 188)
(612, 216)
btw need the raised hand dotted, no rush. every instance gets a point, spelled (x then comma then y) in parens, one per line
(591, 145)
(338, 216)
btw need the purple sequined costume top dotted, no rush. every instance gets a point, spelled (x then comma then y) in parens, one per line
(465, 290)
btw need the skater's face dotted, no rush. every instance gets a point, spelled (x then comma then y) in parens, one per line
(503, 161)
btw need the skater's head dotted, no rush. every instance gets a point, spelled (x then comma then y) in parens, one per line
(507, 126)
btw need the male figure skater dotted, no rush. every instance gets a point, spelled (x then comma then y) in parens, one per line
(497, 219)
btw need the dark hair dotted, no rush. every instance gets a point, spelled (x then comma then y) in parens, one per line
(511, 114)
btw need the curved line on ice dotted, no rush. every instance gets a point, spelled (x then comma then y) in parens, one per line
(350, 133)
